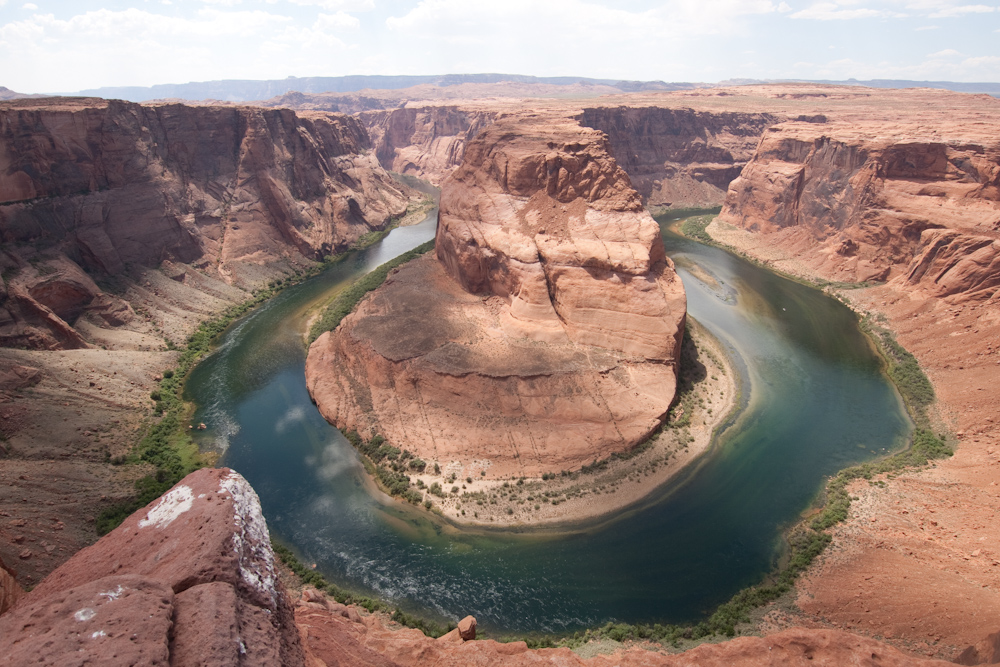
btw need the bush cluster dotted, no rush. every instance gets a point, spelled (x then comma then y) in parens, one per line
(389, 465)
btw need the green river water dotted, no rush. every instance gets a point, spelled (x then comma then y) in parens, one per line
(818, 402)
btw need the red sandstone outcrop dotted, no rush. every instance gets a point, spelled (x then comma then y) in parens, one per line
(330, 637)
(10, 590)
(858, 204)
(679, 157)
(906, 193)
(427, 142)
(241, 194)
(188, 580)
(544, 337)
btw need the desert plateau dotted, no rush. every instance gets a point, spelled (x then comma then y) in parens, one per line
(500, 371)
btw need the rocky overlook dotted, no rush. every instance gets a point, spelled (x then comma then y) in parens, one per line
(544, 335)
(191, 579)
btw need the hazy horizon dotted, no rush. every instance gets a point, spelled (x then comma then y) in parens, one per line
(48, 47)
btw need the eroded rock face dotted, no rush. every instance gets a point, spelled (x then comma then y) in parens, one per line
(680, 157)
(330, 637)
(545, 333)
(242, 194)
(427, 142)
(190, 579)
(859, 205)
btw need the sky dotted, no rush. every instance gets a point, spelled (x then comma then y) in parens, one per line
(70, 45)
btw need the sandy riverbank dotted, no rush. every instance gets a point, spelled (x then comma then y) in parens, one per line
(712, 394)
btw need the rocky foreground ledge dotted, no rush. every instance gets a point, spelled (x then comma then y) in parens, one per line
(191, 580)
(545, 334)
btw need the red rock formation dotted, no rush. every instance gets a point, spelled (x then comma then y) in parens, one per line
(330, 638)
(188, 580)
(10, 590)
(239, 193)
(986, 652)
(547, 335)
(427, 142)
(679, 157)
(860, 205)
(905, 191)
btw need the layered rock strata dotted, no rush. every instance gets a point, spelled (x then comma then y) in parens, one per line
(909, 197)
(99, 187)
(427, 142)
(189, 580)
(545, 333)
(680, 158)
(857, 205)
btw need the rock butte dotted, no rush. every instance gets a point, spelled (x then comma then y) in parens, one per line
(543, 336)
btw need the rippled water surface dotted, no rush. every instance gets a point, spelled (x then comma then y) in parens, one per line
(817, 403)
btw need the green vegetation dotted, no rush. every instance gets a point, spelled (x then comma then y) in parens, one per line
(166, 444)
(310, 577)
(670, 214)
(694, 227)
(351, 296)
(389, 464)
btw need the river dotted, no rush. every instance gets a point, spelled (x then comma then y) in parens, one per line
(817, 402)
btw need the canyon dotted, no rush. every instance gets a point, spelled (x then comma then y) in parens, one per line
(888, 198)
(124, 227)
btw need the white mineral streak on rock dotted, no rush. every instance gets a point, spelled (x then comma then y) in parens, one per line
(113, 595)
(85, 614)
(171, 506)
(251, 541)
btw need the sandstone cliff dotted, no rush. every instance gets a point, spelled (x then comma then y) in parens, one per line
(544, 337)
(427, 142)
(901, 188)
(98, 188)
(681, 157)
(863, 206)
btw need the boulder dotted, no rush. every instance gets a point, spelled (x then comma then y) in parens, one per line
(199, 557)
(467, 628)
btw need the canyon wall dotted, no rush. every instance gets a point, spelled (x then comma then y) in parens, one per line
(426, 142)
(901, 192)
(92, 188)
(544, 336)
(679, 157)
(873, 208)
(188, 580)
(123, 227)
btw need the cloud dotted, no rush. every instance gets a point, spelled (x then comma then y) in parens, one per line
(947, 53)
(137, 47)
(569, 21)
(927, 27)
(29, 6)
(829, 11)
(334, 5)
(961, 10)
